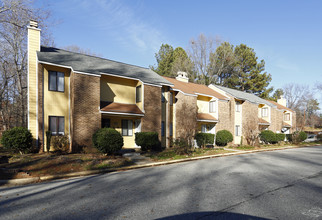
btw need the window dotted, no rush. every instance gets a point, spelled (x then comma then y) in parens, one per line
(212, 107)
(238, 130)
(106, 123)
(203, 128)
(287, 117)
(127, 127)
(238, 106)
(139, 93)
(171, 98)
(264, 112)
(171, 129)
(162, 129)
(57, 125)
(162, 95)
(56, 81)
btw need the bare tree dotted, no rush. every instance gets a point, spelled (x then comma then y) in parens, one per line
(296, 95)
(77, 49)
(14, 17)
(251, 132)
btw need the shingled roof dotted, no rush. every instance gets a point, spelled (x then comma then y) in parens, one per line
(97, 66)
(245, 96)
(194, 88)
(279, 106)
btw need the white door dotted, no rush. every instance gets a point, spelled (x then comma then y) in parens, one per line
(137, 124)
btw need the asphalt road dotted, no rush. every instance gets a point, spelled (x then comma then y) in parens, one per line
(284, 184)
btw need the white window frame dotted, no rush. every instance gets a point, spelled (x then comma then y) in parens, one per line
(238, 107)
(203, 128)
(289, 116)
(265, 112)
(238, 130)
(128, 130)
(57, 76)
(213, 106)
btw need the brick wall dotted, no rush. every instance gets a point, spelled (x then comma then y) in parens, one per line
(86, 118)
(152, 107)
(249, 118)
(293, 122)
(186, 115)
(226, 116)
(276, 120)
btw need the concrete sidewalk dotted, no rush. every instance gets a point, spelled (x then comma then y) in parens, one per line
(142, 164)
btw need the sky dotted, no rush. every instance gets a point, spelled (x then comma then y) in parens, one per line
(286, 34)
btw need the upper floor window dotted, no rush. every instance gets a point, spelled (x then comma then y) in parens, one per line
(238, 106)
(56, 81)
(57, 125)
(162, 95)
(287, 117)
(127, 127)
(264, 112)
(212, 107)
(139, 93)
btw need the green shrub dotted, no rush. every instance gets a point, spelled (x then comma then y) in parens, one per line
(268, 137)
(147, 140)
(48, 140)
(181, 147)
(302, 136)
(223, 137)
(280, 137)
(298, 136)
(289, 137)
(107, 140)
(60, 143)
(204, 138)
(17, 139)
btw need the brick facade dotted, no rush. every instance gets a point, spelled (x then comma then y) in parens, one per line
(186, 115)
(249, 118)
(226, 116)
(152, 107)
(85, 102)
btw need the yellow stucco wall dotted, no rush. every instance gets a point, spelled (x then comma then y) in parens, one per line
(116, 123)
(287, 121)
(56, 103)
(203, 104)
(33, 46)
(268, 117)
(116, 89)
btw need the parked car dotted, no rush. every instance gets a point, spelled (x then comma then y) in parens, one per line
(311, 138)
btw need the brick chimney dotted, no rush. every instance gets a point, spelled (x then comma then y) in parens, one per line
(33, 47)
(182, 76)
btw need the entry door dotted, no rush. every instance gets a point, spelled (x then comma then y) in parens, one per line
(137, 124)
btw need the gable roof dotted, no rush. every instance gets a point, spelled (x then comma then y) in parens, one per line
(279, 106)
(245, 96)
(194, 88)
(113, 107)
(97, 66)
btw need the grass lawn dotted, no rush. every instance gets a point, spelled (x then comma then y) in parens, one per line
(35, 165)
(175, 153)
(270, 146)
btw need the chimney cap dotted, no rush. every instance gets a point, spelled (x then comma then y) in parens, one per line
(33, 23)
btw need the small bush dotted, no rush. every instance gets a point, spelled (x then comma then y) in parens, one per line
(268, 137)
(223, 137)
(17, 139)
(204, 138)
(302, 136)
(107, 140)
(280, 137)
(289, 137)
(298, 136)
(181, 147)
(60, 143)
(147, 140)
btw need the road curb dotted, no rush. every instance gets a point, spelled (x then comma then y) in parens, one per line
(23, 181)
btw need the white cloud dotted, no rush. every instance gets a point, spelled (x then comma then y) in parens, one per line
(124, 24)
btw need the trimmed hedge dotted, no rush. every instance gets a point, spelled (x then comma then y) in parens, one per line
(17, 139)
(268, 137)
(204, 138)
(296, 137)
(223, 137)
(302, 136)
(280, 137)
(148, 140)
(108, 140)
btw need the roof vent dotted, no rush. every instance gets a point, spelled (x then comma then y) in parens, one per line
(182, 76)
(33, 24)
